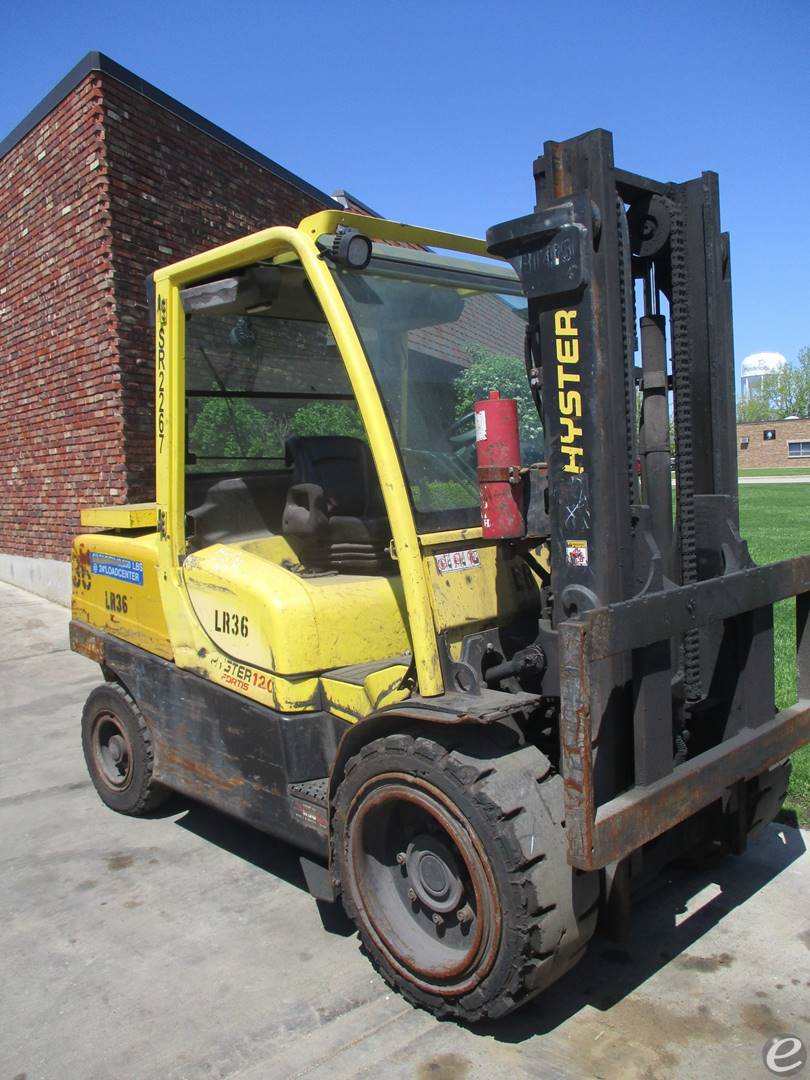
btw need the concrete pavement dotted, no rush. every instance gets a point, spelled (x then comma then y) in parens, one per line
(186, 946)
(804, 479)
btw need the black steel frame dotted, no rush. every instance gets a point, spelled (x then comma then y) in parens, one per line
(665, 629)
(606, 833)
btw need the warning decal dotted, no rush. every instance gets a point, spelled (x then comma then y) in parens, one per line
(576, 552)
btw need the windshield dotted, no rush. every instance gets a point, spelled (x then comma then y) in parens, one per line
(439, 336)
(254, 380)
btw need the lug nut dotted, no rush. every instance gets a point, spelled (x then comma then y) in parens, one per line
(437, 919)
(412, 896)
(464, 914)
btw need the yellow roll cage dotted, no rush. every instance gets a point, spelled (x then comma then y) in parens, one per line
(275, 243)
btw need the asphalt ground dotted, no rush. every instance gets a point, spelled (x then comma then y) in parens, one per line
(186, 945)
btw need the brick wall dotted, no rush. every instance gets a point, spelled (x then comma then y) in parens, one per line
(485, 320)
(60, 386)
(174, 191)
(104, 186)
(104, 189)
(762, 453)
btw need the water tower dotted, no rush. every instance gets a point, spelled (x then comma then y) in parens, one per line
(755, 368)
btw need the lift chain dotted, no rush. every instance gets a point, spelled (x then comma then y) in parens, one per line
(626, 297)
(682, 364)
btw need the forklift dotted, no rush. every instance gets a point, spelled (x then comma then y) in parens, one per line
(433, 622)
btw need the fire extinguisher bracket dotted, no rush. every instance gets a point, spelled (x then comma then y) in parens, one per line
(499, 474)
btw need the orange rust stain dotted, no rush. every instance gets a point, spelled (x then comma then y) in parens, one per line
(87, 643)
(197, 770)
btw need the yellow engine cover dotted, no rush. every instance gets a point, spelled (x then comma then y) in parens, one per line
(267, 615)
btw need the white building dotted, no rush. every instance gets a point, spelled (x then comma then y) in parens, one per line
(754, 369)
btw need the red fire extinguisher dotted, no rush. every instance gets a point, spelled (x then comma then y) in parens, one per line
(497, 445)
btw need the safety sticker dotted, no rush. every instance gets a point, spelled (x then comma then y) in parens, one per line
(309, 814)
(481, 426)
(576, 552)
(113, 566)
(457, 560)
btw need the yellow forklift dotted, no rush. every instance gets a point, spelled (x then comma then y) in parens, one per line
(412, 595)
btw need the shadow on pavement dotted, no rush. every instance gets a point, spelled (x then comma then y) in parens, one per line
(608, 973)
(253, 846)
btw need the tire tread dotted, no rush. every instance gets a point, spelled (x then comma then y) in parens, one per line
(520, 796)
(150, 793)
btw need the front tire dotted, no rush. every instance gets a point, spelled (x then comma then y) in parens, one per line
(118, 752)
(451, 854)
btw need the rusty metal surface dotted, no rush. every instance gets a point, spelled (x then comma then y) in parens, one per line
(85, 640)
(644, 620)
(632, 819)
(476, 960)
(486, 707)
(503, 474)
(603, 831)
(576, 754)
(225, 750)
(650, 677)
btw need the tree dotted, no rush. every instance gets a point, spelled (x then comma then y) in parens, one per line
(754, 409)
(783, 389)
(237, 432)
(328, 418)
(235, 429)
(803, 394)
(507, 374)
(785, 393)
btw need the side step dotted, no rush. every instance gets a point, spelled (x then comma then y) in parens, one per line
(309, 800)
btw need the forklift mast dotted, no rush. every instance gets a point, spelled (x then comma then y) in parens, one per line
(665, 626)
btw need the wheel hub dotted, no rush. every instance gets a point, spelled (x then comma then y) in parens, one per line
(421, 878)
(112, 751)
(116, 748)
(433, 873)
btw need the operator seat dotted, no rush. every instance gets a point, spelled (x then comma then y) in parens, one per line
(334, 507)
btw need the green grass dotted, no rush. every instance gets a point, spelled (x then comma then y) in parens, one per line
(798, 470)
(775, 520)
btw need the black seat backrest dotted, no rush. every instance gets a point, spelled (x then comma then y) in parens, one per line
(343, 467)
(226, 509)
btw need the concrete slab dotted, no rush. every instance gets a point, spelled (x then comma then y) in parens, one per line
(803, 479)
(185, 945)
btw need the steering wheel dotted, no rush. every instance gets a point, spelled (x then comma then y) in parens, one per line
(462, 431)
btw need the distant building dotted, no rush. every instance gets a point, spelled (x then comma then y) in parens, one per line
(755, 368)
(774, 444)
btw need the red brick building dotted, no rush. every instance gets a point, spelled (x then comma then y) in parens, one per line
(107, 179)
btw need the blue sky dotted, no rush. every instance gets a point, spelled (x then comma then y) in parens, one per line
(433, 112)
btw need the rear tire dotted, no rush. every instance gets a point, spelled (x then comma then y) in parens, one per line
(451, 854)
(118, 752)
